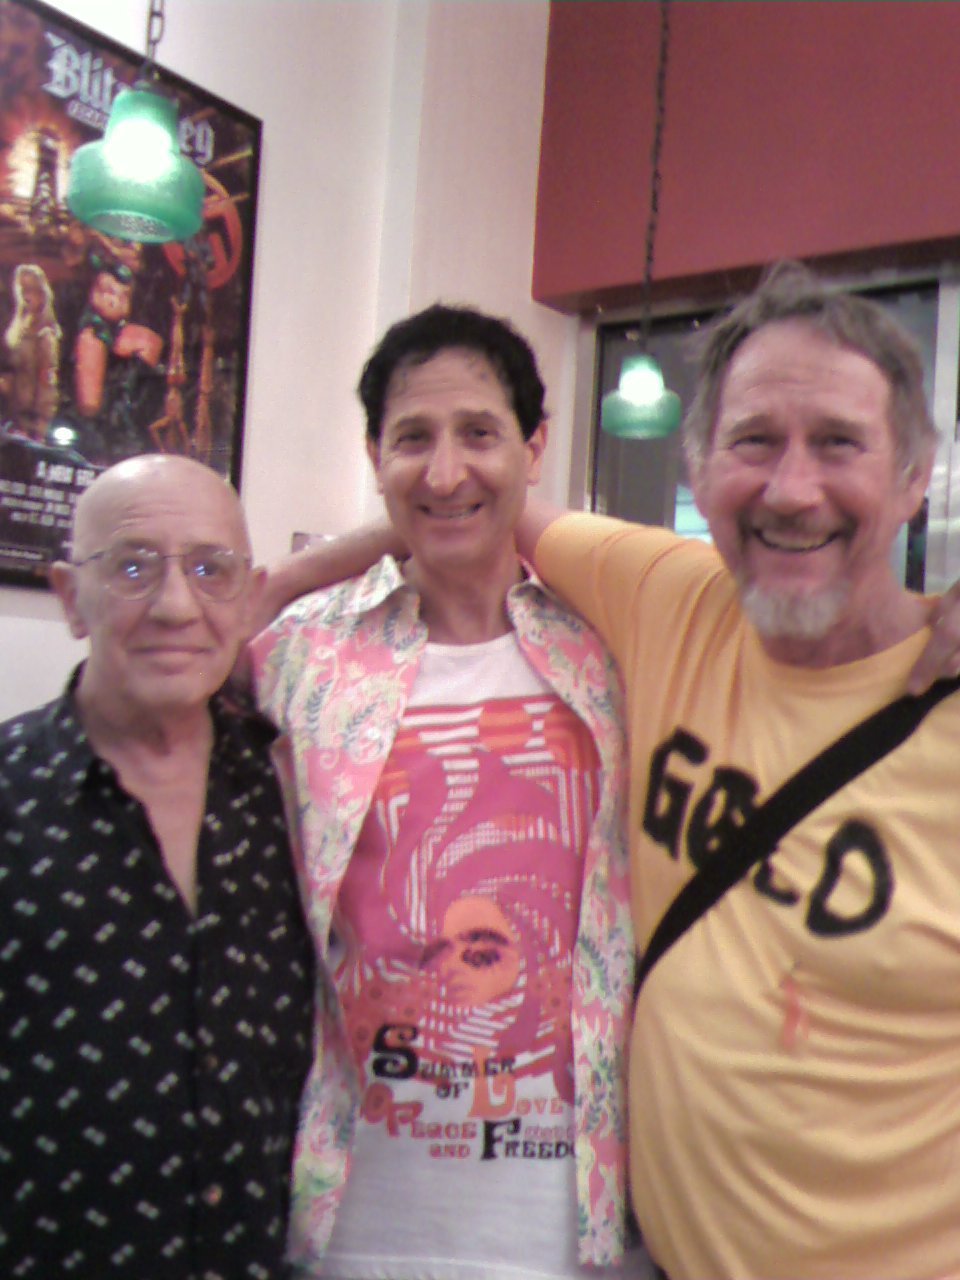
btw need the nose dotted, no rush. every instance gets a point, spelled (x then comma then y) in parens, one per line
(174, 601)
(446, 466)
(794, 483)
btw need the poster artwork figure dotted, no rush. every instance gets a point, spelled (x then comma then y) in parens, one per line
(31, 384)
(105, 328)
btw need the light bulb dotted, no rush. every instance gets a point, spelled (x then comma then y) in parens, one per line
(139, 149)
(641, 380)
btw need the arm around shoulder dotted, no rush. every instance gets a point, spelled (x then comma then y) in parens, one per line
(324, 563)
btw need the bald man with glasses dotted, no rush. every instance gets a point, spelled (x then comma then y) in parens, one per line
(156, 976)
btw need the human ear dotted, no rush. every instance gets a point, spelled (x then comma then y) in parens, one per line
(916, 481)
(536, 444)
(696, 478)
(373, 453)
(63, 580)
(252, 593)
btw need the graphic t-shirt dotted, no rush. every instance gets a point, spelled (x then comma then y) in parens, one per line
(795, 1058)
(456, 920)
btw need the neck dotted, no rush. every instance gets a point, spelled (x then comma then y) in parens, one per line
(117, 731)
(465, 606)
(879, 627)
(163, 761)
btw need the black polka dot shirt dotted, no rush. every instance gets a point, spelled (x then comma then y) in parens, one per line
(150, 1061)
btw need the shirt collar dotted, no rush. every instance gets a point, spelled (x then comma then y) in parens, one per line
(71, 759)
(74, 764)
(385, 579)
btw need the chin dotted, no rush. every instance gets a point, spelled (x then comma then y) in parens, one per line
(786, 615)
(181, 693)
(449, 555)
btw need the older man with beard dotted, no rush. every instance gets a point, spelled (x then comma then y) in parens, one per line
(795, 1054)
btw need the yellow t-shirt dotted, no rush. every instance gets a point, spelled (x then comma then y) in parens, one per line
(795, 1058)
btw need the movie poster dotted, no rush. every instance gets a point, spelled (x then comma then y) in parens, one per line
(108, 348)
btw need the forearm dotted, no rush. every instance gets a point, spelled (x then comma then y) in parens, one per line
(323, 563)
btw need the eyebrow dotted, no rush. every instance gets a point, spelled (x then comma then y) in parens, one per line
(482, 934)
(767, 421)
(408, 420)
(750, 422)
(462, 415)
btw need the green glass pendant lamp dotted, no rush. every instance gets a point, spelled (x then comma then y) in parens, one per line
(642, 408)
(135, 183)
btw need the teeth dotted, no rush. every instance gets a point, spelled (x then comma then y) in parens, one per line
(460, 514)
(788, 542)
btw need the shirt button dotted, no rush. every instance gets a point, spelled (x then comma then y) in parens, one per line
(213, 1195)
(210, 1061)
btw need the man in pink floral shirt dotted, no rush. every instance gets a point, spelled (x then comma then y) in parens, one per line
(456, 768)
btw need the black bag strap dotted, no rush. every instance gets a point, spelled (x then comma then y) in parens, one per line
(851, 754)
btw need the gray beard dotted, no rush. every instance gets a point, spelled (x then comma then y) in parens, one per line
(785, 616)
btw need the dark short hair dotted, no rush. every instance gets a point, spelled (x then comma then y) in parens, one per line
(790, 291)
(438, 328)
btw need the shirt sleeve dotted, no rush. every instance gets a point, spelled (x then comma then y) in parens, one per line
(270, 668)
(620, 575)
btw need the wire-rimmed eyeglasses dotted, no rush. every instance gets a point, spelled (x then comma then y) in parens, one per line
(134, 572)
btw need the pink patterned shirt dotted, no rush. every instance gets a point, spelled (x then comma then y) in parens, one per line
(335, 672)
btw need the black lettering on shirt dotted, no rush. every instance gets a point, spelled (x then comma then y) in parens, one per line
(852, 838)
(494, 1136)
(720, 813)
(709, 825)
(392, 1061)
(668, 796)
(764, 881)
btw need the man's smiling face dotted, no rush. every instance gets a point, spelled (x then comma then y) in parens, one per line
(452, 463)
(801, 486)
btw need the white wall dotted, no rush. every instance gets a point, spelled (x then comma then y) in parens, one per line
(399, 165)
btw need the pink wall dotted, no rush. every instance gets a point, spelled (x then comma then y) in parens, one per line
(812, 129)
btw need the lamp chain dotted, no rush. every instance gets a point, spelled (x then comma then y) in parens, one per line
(660, 115)
(155, 22)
